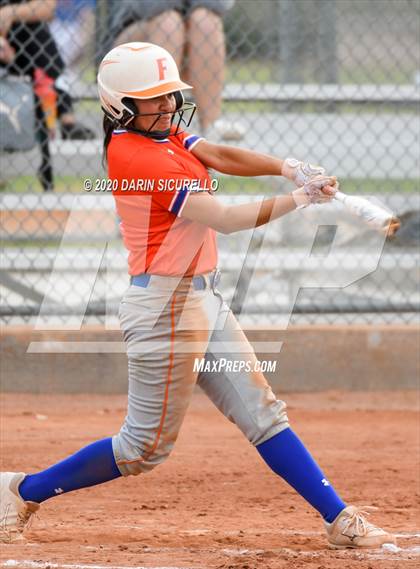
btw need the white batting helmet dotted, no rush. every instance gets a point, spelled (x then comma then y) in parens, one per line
(136, 70)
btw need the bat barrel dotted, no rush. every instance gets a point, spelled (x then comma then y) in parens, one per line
(374, 215)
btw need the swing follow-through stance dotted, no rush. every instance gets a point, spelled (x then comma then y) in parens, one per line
(173, 312)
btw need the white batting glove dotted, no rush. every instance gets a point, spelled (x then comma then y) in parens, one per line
(300, 172)
(318, 190)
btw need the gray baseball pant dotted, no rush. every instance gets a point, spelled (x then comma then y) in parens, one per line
(165, 327)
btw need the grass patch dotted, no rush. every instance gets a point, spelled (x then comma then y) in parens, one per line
(369, 186)
(31, 185)
(324, 108)
(236, 185)
(276, 186)
(252, 71)
(228, 185)
(270, 71)
(54, 243)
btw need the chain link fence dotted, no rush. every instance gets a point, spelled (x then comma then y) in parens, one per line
(332, 82)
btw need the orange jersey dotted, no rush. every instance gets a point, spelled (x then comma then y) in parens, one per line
(155, 179)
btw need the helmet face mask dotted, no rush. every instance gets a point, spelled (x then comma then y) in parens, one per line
(141, 71)
(180, 117)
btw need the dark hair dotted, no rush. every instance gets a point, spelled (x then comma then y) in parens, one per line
(108, 126)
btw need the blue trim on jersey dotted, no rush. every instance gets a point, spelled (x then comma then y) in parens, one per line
(119, 131)
(160, 141)
(179, 200)
(190, 140)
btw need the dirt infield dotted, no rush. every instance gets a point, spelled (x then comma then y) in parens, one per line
(214, 504)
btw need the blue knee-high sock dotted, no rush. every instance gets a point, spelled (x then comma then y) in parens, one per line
(286, 456)
(89, 466)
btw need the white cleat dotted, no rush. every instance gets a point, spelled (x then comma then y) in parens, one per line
(351, 529)
(15, 513)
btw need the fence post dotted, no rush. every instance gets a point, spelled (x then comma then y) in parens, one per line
(308, 41)
(291, 41)
(327, 42)
(103, 29)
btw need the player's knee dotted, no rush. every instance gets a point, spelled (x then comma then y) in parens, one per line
(134, 457)
(268, 422)
(168, 22)
(206, 21)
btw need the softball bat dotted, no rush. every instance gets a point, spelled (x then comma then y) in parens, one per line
(374, 215)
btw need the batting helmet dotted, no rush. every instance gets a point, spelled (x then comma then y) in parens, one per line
(137, 70)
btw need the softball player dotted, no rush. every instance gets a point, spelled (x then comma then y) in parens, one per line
(173, 313)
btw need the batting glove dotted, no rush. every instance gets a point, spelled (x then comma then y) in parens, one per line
(320, 189)
(300, 172)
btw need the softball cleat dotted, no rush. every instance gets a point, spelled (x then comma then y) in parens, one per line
(351, 529)
(15, 513)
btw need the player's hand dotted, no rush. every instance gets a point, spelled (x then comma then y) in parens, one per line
(301, 172)
(7, 53)
(318, 190)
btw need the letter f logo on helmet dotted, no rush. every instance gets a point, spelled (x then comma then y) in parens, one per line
(161, 63)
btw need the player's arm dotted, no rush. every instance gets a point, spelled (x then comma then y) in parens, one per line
(243, 162)
(206, 209)
(236, 161)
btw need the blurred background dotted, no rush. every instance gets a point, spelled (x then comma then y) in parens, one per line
(333, 82)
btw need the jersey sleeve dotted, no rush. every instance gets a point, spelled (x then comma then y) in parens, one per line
(188, 140)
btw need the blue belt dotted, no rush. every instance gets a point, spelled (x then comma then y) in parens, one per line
(199, 282)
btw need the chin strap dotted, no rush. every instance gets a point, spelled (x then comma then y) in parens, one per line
(155, 134)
